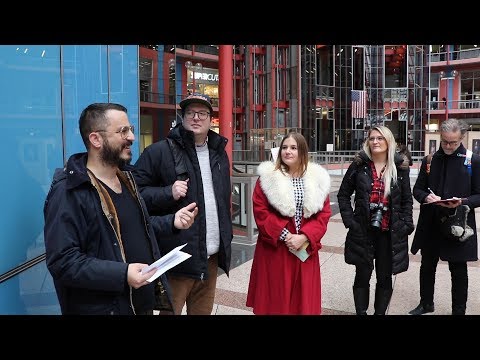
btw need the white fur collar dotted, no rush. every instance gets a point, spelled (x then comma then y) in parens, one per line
(279, 189)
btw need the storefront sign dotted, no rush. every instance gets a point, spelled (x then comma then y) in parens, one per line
(205, 76)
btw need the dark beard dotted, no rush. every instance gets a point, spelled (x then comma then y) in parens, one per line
(111, 156)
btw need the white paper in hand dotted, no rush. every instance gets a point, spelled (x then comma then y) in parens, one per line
(166, 262)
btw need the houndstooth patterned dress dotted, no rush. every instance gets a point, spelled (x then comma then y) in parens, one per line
(298, 193)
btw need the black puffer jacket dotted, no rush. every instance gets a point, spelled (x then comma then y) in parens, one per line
(359, 247)
(448, 177)
(155, 175)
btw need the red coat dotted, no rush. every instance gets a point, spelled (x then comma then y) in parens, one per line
(279, 282)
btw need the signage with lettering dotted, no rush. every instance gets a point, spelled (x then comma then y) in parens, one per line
(205, 76)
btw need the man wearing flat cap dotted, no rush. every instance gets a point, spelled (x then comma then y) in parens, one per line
(191, 165)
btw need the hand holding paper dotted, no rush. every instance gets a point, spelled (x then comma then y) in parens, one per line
(451, 200)
(302, 252)
(166, 262)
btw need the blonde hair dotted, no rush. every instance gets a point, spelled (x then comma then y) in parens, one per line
(390, 173)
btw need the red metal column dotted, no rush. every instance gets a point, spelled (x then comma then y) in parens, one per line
(274, 95)
(299, 86)
(446, 83)
(225, 94)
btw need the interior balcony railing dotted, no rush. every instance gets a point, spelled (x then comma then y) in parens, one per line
(204, 49)
(159, 98)
(207, 49)
(180, 97)
(185, 47)
(335, 162)
(455, 104)
(455, 55)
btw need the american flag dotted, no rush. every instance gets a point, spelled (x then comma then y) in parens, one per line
(359, 104)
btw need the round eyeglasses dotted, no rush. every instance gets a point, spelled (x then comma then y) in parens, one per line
(124, 131)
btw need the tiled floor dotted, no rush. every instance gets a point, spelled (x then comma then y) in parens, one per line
(337, 277)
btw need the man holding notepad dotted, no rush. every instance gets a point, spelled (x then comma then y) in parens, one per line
(448, 187)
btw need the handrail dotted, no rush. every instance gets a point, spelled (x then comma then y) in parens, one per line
(329, 160)
(455, 104)
(455, 54)
(22, 267)
(245, 157)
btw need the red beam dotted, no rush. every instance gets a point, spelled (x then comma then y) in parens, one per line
(225, 94)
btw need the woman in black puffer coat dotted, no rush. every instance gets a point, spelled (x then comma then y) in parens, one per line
(381, 219)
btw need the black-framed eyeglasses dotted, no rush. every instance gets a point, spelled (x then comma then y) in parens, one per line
(202, 115)
(449, 143)
(123, 131)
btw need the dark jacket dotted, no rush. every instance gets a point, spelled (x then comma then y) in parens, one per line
(448, 177)
(155, 175)
(82, 248)
(359, 248)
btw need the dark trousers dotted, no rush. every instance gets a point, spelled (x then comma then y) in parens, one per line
(459, 274)
(383, 263)
(148, 312)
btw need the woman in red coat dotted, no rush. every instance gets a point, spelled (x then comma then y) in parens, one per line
(291, 207)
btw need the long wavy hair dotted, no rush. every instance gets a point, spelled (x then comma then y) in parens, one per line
(390, 173)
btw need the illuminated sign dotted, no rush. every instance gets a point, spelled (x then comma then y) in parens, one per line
(205, 76)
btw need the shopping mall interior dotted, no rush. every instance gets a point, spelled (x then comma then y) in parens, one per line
(409, 88)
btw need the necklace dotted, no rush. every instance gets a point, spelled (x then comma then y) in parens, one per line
(380, 174)
(383, 170)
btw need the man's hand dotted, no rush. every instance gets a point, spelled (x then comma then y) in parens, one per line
(432, 198)
(135, 278)
(179, 189)
(185, 216)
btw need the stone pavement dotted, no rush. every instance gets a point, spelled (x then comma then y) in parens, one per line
(337, 276)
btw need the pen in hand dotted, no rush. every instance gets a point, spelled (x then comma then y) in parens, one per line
(435, 197)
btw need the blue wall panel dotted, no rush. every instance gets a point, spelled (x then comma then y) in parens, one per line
(39, 135)
(85, 81)
(124, 85)
(30, 118)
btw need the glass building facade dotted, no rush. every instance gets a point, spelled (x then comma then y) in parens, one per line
(278, 88)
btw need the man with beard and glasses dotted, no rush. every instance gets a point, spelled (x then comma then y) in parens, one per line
(98, 234)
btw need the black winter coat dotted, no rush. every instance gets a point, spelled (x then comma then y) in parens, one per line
(359, 248)
(82, 250)
(155, 175)
(448, 177)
